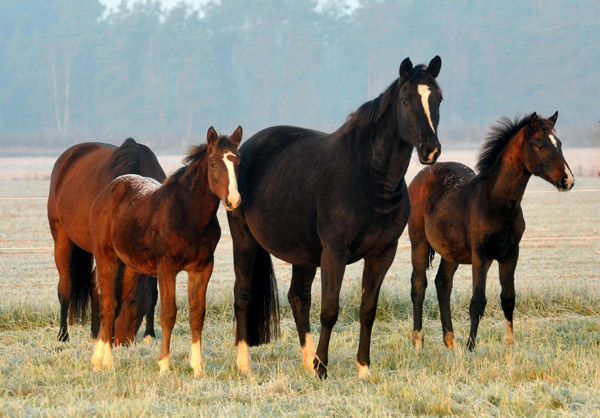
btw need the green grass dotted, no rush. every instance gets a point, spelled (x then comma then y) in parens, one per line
(553, 368)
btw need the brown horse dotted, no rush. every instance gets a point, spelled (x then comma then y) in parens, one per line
(162, 230)
(475, 219)
(79, 174)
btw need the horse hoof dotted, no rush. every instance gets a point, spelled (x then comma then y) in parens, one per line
(470, 344)
(148, 339)
(163, 363)
(417, 340)
(363, 371)
(320, 369)
(449, 340)
(63, 337)
(509, 341)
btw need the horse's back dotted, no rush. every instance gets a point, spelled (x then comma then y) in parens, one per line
(438, 208)
(82, 172)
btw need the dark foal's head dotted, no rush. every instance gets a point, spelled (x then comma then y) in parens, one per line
(418, 110)
(223, 165)
(542, 154)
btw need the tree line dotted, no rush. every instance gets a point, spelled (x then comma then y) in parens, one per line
(71, 71)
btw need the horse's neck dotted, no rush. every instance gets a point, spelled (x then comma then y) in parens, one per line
(508, 179)
(200, 204)
(387, 155)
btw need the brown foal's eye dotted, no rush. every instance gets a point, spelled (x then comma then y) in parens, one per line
(212, 165)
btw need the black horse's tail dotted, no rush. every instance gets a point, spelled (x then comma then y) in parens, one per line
(430, 255)
(81, 283)
(263, 312)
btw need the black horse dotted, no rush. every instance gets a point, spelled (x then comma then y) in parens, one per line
(326, 200)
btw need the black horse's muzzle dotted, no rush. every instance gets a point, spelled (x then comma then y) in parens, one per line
(429, 155)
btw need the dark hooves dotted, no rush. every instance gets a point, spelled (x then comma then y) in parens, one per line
(470, 344)
(63, 336)
(320, 368)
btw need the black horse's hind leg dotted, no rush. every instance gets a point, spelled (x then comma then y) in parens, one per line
(478, 301)
(333, 265)
(300, 298)
(373, 274)
(443, 284)
(418, 281)
(153, 285)
(507, 296)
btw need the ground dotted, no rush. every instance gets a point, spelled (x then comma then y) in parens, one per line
(553, 368)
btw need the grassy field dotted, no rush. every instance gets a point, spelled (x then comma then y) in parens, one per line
(553, 369)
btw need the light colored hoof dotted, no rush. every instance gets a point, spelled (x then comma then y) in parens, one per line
(148, 339)
(417, 340)
(363, 371)
(308, 354)
(96, 364)
(243, 358)
(449, 340)
(163, 363)
(509, 340)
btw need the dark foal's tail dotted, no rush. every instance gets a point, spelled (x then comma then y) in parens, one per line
(430, 255)
(81, 282)
(263, 312)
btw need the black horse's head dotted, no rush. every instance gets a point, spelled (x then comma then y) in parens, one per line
(418, 110)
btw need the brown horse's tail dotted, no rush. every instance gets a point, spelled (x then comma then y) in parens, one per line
(430, 255)
(81, 283)
(263, 312)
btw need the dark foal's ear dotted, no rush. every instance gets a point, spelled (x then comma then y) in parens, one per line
(236, 137)
(405, 68)
(552, 119)
(533, 122)
(211, 136)
(434, 66)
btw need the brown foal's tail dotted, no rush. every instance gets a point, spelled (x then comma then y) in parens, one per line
(81, 283)
(263, 312)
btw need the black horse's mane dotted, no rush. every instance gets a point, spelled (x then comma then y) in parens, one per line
(373, 110)
(125, 159)
(500, 135)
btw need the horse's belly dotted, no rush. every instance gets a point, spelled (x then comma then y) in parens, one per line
(448, 243)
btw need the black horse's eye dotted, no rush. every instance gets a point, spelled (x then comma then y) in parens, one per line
(539, 146)
(405, 101)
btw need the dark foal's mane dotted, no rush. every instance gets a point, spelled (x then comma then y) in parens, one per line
(196, 153)
(125, 159)
(500, 135)
(372, 111)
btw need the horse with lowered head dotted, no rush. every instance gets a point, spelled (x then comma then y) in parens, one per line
(79, 174)
(161, 230)
(324, 200)
(475, 219)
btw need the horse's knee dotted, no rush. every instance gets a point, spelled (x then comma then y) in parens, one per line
(329, 316)
(367, 314)
(477, 306)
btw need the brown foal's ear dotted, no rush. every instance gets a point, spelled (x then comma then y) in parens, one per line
(553, 118)
(236, 137)
(211, 136)
(533, 122)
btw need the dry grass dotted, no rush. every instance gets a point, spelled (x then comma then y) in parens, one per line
(553, 369)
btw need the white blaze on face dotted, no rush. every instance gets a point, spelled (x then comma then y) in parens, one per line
(424, 92)
(553, 140)
(233, 193)
(569, 175)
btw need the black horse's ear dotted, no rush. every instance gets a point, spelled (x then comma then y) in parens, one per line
(434, 66)
(236, 137)
(553, 118)
(406, 67)
(211, 136)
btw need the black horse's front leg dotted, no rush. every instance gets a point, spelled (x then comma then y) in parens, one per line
(333, 265)
(300, 297)
(481, 265)
(373, 274)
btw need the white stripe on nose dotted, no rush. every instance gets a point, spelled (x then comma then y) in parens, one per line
(424, 92)
(569, 175)
(553, 140)
(233, 195)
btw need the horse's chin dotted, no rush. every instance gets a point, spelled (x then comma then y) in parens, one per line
(230, 208)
